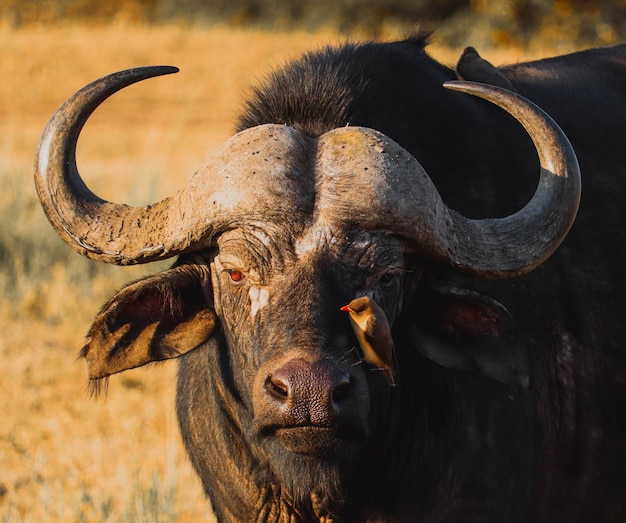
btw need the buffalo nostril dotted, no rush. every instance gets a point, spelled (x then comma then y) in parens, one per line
(342, 390)
(311, 390)
(277, 388)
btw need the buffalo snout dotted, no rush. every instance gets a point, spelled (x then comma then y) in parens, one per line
(311, 406)
(308, 393)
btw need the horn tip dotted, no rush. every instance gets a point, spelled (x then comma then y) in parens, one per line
(468, 87)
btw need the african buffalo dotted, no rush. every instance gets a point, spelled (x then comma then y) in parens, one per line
(356, 172)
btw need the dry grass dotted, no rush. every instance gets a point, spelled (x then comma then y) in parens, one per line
(64, 457)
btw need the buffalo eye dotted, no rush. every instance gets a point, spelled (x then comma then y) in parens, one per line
(235, 275)
(386, 279)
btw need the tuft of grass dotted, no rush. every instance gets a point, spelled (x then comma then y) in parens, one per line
(142, 498)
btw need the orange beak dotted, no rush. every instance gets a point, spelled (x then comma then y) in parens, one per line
(345, 308)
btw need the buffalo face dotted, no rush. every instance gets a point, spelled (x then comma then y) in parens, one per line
(293, 356)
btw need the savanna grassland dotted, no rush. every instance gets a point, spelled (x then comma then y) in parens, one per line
(63, 456)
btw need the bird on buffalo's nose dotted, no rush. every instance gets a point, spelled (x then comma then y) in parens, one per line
(373, 333)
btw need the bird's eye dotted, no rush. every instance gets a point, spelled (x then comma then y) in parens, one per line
(235, 275)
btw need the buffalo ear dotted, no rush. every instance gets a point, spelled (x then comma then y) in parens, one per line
(157, 318)
(464, 330)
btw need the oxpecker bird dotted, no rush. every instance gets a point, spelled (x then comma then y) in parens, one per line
(373, 333)
(473, 68)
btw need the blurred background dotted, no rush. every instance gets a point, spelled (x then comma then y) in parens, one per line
(486, 23)
(63, 456)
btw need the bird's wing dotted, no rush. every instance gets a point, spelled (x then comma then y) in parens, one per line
(378, 335)
(369, 328)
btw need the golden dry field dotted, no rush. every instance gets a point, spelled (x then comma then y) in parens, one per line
(63, 456)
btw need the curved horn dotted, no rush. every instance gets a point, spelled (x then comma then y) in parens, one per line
(109, 232)
(390, 190)
(81, 218)
(212, 201)
(516, 244)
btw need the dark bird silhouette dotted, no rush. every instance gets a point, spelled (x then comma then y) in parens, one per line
(473, 68)
(373, 333)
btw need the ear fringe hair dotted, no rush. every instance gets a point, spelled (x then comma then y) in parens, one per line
(98, 387)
